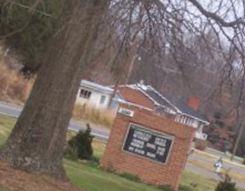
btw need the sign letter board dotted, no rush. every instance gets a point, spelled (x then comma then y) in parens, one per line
(146, 143)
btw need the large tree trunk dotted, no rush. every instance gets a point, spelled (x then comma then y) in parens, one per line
(37, 141)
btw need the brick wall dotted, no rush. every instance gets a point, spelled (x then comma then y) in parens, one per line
(149, 171)
(135, 96)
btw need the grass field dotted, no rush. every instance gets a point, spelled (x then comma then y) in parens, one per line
(2, 189)
(89, 176)
(93, 179)
(6, 125)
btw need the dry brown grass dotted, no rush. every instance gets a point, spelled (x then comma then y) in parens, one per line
(103, 117)
(13, 86)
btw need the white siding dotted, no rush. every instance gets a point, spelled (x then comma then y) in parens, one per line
(193, 123)
(94, 100)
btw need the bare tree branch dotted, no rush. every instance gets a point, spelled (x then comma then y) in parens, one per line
(218, 19)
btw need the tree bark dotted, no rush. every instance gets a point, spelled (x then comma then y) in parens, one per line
(38, 138)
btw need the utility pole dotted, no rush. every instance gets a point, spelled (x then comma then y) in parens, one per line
(113, 95)
(239, 136)
(129, 72)
(131, 67)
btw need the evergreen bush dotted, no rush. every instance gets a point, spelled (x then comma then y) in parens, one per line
(226, 185)
(81, 144)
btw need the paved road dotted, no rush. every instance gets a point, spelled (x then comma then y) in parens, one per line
(198, 162)
(98, 132)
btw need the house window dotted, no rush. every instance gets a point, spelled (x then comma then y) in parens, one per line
(85, 94)
(102, 99)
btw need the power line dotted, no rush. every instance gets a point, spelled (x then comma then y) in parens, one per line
(35, 10)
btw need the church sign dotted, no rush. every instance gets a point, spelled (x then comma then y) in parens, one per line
(147, 143)
(151, 146)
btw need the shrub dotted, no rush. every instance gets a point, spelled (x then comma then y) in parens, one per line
(185, 188)
(81, 145)
(226, 185)
(131, 177)
(110, 168)
(70, 154)
(200, 144)
(165, 188)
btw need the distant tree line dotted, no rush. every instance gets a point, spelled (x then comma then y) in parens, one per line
(26, 26)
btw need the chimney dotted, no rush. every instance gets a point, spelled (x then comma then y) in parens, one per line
(194, 102)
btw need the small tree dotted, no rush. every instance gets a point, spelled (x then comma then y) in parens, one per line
(226, 184)
(81, 144)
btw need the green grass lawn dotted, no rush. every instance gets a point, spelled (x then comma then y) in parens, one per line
(197, 182)
(6, 125)
(89, 176)
(94, 179)
(2, 189)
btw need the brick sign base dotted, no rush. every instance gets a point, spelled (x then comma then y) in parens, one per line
(148, 145)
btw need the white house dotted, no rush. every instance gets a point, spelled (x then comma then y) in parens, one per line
(94, 95)
(183, 111)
